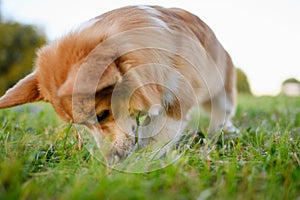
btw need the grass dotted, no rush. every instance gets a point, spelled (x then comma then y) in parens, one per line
(42, 158)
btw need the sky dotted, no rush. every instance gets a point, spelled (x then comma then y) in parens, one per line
(262, 36)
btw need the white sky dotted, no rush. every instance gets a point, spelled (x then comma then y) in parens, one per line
(262, 36)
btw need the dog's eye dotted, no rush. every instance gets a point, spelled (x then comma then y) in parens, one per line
(103, 115)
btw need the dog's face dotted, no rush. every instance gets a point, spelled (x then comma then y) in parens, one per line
(92, 109)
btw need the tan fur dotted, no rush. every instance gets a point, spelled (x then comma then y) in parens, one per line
(190, 62)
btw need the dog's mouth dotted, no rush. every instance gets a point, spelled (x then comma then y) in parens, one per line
(129, 152)
(117, 146)
(117, 149)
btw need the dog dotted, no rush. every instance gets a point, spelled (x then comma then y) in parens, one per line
(133, 76)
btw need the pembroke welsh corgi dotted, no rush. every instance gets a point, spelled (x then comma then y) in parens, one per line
(160, 63)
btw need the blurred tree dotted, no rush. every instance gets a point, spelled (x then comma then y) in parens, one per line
(291, 80)
(290, 87)
(18, 45)
(243, 85)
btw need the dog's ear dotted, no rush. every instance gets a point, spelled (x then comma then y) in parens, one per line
(109, 77)
(96, 72)
(25, 91)
(89, 80)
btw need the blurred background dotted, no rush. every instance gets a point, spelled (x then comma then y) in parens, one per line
(261, 36)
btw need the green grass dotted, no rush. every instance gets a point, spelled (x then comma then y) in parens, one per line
(42, 158)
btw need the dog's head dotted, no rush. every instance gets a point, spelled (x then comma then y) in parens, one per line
(97, 89)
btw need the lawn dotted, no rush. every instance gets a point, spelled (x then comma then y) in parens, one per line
(42, 158)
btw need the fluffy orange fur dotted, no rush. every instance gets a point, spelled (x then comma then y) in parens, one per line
(177, 72)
